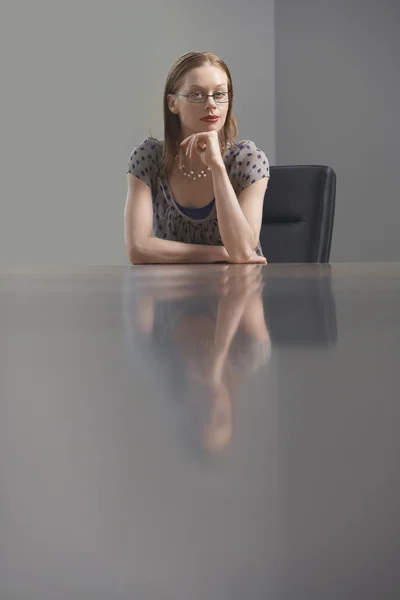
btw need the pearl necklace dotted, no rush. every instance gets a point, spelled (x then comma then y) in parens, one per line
(191, 174)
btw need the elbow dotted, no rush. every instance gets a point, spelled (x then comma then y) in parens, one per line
(134, 260)
(137, 255)
(241, 255)
(242, 252)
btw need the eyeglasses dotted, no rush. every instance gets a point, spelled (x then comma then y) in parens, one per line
(200, 97)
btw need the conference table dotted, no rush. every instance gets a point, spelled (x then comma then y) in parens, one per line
(200, 432)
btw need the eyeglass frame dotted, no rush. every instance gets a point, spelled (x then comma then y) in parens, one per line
(230, 96)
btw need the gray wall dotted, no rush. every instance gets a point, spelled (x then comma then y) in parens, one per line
(82, 84)
(338, 103)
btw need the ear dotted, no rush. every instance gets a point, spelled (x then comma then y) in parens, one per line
(172, 103)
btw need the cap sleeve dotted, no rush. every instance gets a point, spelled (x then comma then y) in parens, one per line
(249, 165)
(143, 162)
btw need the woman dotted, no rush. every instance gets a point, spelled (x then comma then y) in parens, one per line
(196, 196)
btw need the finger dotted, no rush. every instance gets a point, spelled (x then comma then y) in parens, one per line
(258, 260)
(191, 146)
(188, 147)
(185, 141)
(196, 146)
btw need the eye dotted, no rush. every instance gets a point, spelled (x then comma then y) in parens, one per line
(220, 94)
(197, 95)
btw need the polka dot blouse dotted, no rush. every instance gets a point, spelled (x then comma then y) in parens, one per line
(245, 164)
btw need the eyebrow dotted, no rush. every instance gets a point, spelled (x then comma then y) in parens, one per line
(195, 85)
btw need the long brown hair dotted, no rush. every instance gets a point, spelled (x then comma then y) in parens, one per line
(172, 125)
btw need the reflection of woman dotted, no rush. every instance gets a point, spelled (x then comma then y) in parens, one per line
(208, 331)
(197, 195)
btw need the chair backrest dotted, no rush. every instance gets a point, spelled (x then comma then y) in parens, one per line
(298, 214)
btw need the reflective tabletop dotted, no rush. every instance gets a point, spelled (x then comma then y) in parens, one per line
(200, 432)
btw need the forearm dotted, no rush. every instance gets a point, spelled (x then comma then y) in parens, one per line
(154, 250)
(230, 311)
(236, 233)
(253, 318)
(229, 315)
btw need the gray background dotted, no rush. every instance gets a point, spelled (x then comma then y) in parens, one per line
(82, 84)
(337, 103)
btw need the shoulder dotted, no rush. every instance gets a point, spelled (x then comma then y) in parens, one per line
(245, 150)
(247, 163)
(148, 149)
(144, 160)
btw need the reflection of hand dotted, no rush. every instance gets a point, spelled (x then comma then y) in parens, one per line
(240, 305)
(242, 281)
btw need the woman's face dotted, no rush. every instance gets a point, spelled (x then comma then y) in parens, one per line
(207, 79)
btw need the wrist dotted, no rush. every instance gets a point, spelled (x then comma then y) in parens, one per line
(217, 166)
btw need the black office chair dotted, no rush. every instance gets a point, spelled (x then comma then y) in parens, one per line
(298, 213)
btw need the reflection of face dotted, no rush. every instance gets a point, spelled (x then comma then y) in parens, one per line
(208, 79)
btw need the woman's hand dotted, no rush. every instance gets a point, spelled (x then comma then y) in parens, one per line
(223, 255)
(206, 145)
(254, 259)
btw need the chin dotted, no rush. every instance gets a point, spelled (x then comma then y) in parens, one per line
(211, 126)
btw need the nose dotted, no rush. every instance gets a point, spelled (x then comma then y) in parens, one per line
(210, 102)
